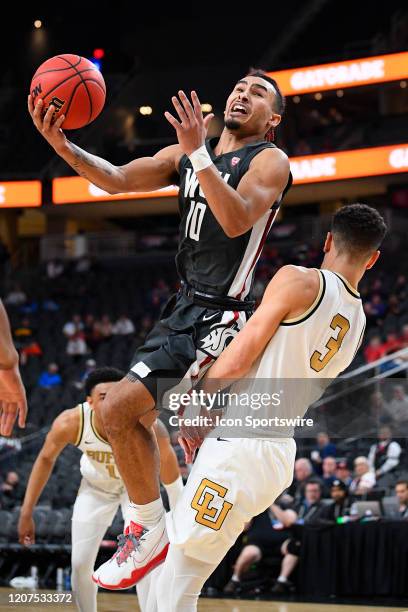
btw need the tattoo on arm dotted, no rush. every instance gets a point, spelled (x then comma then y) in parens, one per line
(82, 158)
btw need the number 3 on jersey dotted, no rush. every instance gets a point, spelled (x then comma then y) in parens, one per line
(317, 360)
(195, 219)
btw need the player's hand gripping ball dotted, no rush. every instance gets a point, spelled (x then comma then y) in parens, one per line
(73, 85)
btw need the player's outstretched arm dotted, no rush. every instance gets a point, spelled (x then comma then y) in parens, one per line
(290, 293)
(64, 431)
(143, 174)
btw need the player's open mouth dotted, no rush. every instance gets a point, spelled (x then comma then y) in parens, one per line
(239, 109)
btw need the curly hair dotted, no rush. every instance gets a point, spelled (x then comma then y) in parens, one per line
(102, 375)
(358, 229)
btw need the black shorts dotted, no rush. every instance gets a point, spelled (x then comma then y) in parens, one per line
(264, 536)
(183, 344)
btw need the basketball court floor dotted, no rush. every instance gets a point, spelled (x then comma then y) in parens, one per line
(113, 602)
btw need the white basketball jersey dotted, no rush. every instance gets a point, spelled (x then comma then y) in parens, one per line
(322, 342)
(97, 462)
(312, 348)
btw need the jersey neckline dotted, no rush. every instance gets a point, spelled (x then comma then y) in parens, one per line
(97, 434)
(212, 143)
(352, 290)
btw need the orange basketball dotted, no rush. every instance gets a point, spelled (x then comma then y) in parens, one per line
(73, 85)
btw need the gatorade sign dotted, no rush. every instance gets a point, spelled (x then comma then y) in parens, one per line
(339, 166)
(339, 75)
(349, 164)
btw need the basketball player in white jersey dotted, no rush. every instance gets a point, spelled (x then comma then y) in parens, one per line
(308, 327)
(101, 491)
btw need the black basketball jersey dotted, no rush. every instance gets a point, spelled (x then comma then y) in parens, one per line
(207, 258)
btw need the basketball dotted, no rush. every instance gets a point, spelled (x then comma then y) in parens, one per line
(73, 85)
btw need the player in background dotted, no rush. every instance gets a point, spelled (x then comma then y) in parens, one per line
(13, 400)
(305, 332)
(230, 190)
(102, 490)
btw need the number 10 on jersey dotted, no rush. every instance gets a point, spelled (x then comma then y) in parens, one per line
(195, 219)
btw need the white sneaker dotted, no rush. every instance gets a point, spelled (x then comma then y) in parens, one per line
(139, 551)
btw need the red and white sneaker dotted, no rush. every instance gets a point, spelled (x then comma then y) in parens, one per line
(139, 551)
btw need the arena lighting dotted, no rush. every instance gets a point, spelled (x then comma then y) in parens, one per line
(145, 110)
(339, 93)
(318, 96)
(16, 194)
(296, 99)
(351, 73)
(99, 54)
(341, 165)
(38, 23)
(403, 84)
(97, 64)
(206, 107)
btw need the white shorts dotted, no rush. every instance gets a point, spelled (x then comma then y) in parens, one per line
(231, 481)
(97, 506)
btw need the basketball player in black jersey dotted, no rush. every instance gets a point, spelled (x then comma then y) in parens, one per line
(230, 191)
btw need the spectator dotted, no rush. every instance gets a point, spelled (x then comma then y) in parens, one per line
(11, 491)
(145, 326)
(343, 473)
(374, 350)
(23, 331)
(31, 349)
(76, 345)
(364, 479)
(16, 297)
(392, 343)
(394, 306)
(384, 456)
(376, 308)
(263, 538)
(404, 337)
(306, 512)
(340, 505)
(325, 448)
(398, 406)
(50, 378)
(123, 326)
(378, 412)
(73, 327)
(104, 327)
(329, 467)
(90, 365)
(400, 287)
(303, 473)
(401, 491)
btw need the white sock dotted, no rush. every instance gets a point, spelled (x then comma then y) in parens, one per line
(282, 579)
(174, 490)
(147, 515)
(235, 578)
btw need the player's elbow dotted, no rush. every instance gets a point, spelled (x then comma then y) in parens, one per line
(240, 366)
(235, 228)
(120, 182)
(46, 459)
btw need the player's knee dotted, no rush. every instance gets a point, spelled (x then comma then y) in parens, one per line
(252, 553)
(111, 414)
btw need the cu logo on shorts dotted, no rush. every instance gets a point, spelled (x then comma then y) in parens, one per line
(211, 510)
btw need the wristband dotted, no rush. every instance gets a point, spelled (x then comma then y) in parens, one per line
(200, 159)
